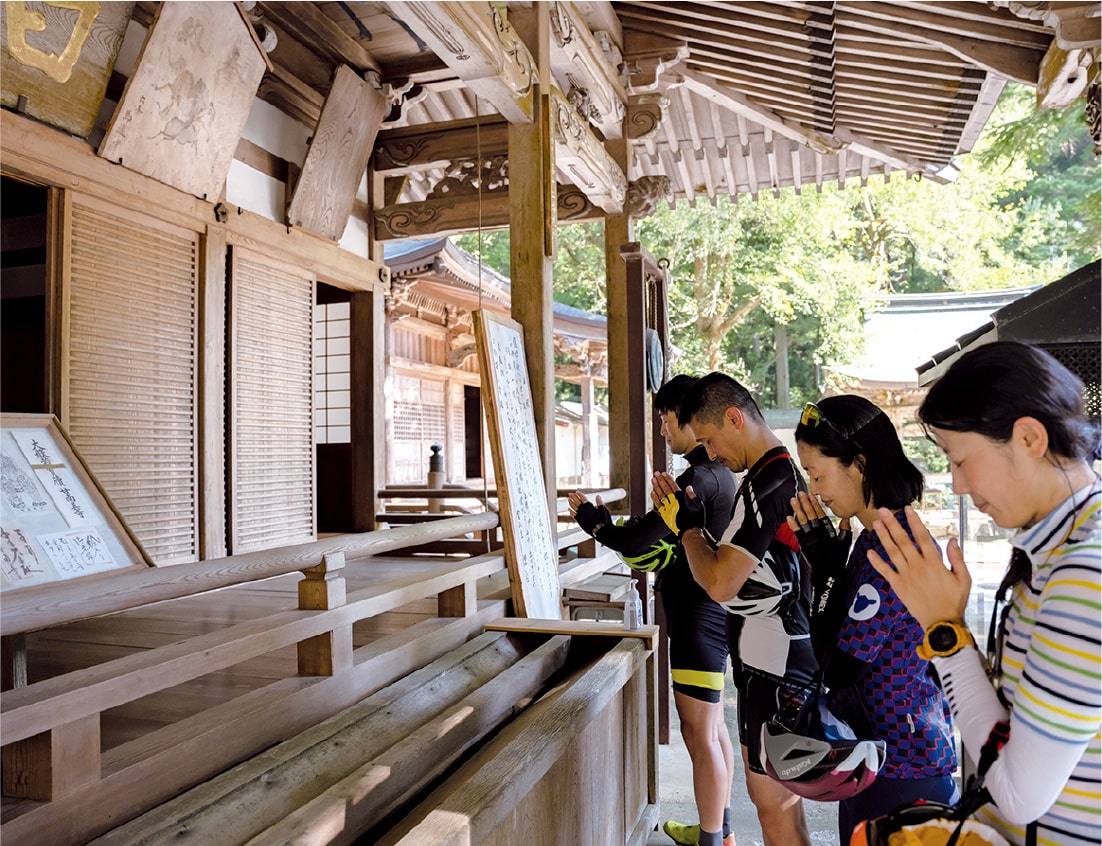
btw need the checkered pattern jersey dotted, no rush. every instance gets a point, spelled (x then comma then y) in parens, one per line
(897, 696)
(1052, 664)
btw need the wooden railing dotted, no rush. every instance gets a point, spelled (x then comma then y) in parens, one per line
(50, 730)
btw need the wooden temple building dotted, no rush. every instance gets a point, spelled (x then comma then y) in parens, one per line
(210, 369)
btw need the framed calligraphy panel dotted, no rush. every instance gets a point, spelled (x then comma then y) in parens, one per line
(55, 521)
(531, 552)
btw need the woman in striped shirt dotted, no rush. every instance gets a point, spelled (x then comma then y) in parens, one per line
(1010, 418)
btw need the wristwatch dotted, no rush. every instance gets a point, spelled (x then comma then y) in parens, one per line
(944, 639)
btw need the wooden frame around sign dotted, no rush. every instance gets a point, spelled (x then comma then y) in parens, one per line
(531, 553)
(57, 522)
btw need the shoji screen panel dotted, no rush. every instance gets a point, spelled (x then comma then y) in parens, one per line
(130, 365)
(271, 423)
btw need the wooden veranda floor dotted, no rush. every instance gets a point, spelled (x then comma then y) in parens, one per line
(80, 645)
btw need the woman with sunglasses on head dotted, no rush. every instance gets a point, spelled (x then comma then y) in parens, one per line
(1010, 418)
(863, 633)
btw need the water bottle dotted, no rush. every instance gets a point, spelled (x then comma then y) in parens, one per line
(633, 609)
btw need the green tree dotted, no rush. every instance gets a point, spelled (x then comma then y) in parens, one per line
(740, 269)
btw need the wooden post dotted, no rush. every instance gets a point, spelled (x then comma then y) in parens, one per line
(660, 450)
(212, 394)
(627, 395)
(323, 589)
(368, 425)
(531, 220)
(435, 479)
(590, 433)
(54, 763)
(460, 601)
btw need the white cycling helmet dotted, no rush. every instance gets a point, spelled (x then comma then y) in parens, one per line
(822, 759)
(762, 594)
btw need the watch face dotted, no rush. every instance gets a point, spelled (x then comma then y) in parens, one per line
(942, 638)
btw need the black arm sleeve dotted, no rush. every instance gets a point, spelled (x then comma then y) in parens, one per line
(637, 535)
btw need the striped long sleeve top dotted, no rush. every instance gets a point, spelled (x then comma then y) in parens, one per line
(1050, 771)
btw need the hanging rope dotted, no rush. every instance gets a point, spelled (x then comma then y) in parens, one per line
(479, 168)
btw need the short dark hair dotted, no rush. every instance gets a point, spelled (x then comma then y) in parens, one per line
(669, 396)
(987, 389)
(711, 396)
(852, 429)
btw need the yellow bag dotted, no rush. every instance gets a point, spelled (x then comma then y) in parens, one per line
(925, 824)
(937, 832)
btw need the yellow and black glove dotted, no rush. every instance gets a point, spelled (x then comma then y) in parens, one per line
(681, 512)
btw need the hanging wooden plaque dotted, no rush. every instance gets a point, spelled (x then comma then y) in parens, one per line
(184, 109)
(57, 58)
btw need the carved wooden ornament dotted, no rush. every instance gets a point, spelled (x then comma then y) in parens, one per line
(59, 56)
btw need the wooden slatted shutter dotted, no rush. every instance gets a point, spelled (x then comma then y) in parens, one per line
(130, 370)
(271, 404)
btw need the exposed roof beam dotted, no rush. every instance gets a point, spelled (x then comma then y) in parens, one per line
(1021, 64)
(735, 101)
(583, 158)
(704, 36)
(823, 61)
(972, 20)
(577, 59)
(305, 22)
(478, 43)
(797, 170)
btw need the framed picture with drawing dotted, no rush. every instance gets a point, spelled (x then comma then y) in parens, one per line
(56, 522)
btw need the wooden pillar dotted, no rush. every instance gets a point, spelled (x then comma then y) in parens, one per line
(627, 395)
(212, 394)
(590, 434)
(531, 222)
(625, 355)
(368, 422)
(323, 589)
(658, 309)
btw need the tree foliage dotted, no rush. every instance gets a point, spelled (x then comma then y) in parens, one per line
(1023, 210)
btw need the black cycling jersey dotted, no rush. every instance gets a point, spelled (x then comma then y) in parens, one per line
(769, 638)
(715, 486)
(768, 621)
(695, 623)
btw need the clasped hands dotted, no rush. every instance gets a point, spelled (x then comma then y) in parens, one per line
(681, 510)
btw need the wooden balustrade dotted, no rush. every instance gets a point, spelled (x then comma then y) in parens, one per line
(50, 729)
(36, 608)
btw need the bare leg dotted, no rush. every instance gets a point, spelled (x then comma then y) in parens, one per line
(780, 812)
(704, 730)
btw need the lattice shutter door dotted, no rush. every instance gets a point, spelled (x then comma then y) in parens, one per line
(271, 404)
(132, 371)
(418, 422)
